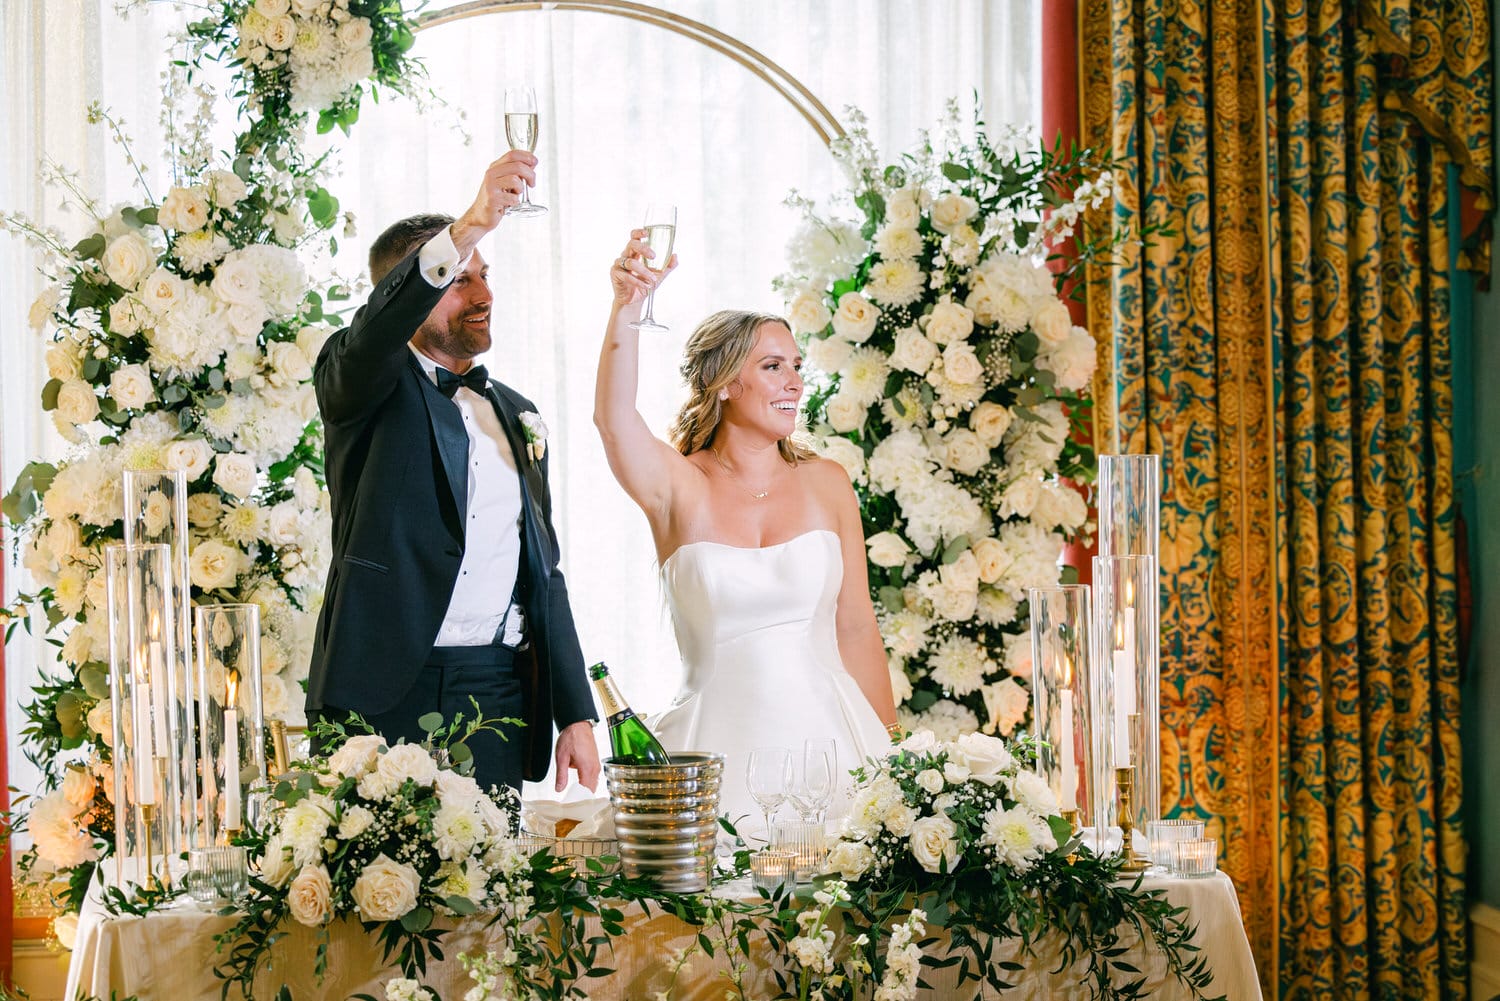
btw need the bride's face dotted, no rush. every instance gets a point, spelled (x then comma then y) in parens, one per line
(768, 390)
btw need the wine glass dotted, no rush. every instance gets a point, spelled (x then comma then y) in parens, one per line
(521, 132)
(826, 749)
(813, 790)
(768, 776)
(661, 231)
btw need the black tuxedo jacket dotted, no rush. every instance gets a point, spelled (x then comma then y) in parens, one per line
(397, 479)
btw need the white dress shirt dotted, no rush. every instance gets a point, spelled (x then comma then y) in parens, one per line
(481, 601)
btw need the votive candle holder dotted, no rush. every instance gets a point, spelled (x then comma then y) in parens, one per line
(1196, 858)
(773, 868)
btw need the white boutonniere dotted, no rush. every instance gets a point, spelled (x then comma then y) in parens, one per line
(536, 435)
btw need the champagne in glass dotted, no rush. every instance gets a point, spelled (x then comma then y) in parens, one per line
(661, 231)
(521, 132)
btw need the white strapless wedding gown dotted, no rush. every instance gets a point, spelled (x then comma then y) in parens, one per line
(756, 629)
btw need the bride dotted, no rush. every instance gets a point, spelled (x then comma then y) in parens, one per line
(760, 545)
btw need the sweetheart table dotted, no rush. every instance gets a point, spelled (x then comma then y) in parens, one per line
(170, 954)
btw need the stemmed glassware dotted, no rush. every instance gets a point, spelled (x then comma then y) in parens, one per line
(661, 232)
(813, 791)
(769, 776)
(521, 133)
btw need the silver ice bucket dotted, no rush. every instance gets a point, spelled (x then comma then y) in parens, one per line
(667, 818)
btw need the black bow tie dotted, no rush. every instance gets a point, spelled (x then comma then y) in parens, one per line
(476, 378)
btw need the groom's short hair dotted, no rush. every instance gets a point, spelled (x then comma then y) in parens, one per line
(400, 239)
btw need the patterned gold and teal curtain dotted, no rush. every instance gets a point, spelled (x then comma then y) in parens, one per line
(1282, 339)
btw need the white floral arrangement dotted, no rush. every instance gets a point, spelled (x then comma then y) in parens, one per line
(946, 807)
(952, 378)
(390, 837)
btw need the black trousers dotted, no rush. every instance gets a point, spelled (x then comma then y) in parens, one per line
(452, 676)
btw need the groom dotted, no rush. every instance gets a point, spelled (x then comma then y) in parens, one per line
(445, 582)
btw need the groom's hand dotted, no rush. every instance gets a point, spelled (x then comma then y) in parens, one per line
(499, 190)
(577, 751)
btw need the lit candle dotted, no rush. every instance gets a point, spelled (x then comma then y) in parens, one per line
(1124, 666)
(145, 770)
(158, 696)
(1069, 768)
(232, 754)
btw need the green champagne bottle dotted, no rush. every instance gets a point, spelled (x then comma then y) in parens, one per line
(629, 740)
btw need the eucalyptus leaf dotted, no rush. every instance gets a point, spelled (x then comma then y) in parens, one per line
(430, 722)
(49, 394)
(95, 680)
(955, 548)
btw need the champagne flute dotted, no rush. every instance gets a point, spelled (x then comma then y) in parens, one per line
(521, 132)
(820, 758)
(661, 231)
(768, 776)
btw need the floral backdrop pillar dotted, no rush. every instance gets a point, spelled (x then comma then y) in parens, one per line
(142, 643)
(1062, 674)
(156, 514)
(232, 737)
(1126, 695)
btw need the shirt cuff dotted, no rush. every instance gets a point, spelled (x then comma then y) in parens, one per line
(439, 260)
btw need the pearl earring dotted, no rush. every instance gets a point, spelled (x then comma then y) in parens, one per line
(723, 394)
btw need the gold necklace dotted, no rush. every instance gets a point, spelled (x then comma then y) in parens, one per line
(722, 465)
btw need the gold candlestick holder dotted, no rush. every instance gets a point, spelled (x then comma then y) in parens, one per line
(1125, 783)
(1071, 816)
(279, 749)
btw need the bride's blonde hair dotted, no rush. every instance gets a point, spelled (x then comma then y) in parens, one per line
(712, 360)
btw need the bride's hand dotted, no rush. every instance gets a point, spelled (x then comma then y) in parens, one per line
(630, 278)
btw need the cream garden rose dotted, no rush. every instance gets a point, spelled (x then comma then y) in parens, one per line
(951, 211)
(63, 362)
(235, 474)
(932, 843)
(887, 549)
(309, 894)
(961, 364)
(989, 421)
(76, 402)
(128, 260)
(184, 210)
(845, 413)
(214, 565)
(386, 890)
(131, 387)
(807, 313)
(856, 317)
(192, 456)
(949, 322)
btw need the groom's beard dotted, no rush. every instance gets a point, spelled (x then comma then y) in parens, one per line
(462, 336)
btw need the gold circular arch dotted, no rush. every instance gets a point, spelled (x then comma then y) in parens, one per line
(789, 87)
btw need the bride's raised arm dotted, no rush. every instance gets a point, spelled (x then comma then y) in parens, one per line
(647, 467)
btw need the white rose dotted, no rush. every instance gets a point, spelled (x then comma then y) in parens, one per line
(856, 317)
(191, 455)
(272, 8)
(989, 421)
(850, 859)
(237, 281)
(131, 387)
(949, 322)
(951, 211)
(235, 474)
(985, 756)
(1005, 702)
(213, 565)
(828, 354)
(846, 454)
(919, 742)
(386, 890)
(845, 413)
(308, 896)
(1052, 322)
(902, 209)
(279, 32)
(311, 341)
(966, 454)
(961, 364)
(912, 351)
(992, 559)
(276, 865)
(126, 316)
(78, 788)
(101, 720)
(955, 773)
(931, 780)
(203, 509)
(932, 843)
(65, 927)
(226, 188)
(407, 761)
(128, 259)
(161, 291)
(1020, 497)
(284, 524)
(1072, 361)
(290, 364)
(355, 33)
(807, 313)
(887, 549)
(355, 821)
(63, 362)
(76, 402)
(246, 320)
(1059, 506)
(899, 819)
(183, 210)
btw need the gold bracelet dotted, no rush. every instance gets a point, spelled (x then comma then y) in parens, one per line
(894, 730)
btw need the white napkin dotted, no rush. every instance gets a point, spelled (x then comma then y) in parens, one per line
(595, 820)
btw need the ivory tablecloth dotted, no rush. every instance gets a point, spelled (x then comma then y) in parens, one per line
(170, 955)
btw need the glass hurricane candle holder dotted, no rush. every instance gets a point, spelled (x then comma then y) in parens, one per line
(1126, 694)
(1129, 500)
(1162, 835)
(1061, 664)
(156, 514)
(138, 588)
(1196, 858)
(232, 737)
(773, 868)
(808, 844)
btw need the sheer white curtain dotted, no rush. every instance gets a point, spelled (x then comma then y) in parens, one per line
(56, 58)
(632, 114)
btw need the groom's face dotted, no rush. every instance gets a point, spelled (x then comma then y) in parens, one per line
(459, 325)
